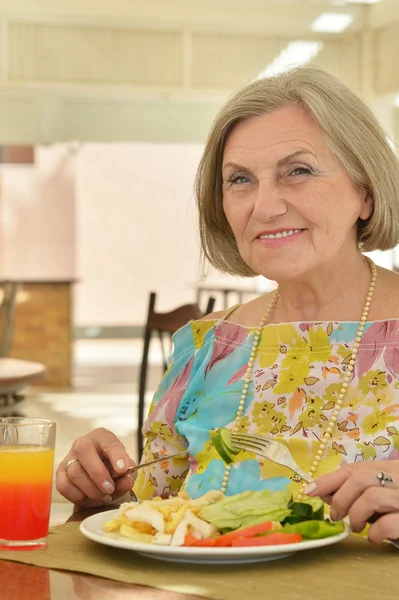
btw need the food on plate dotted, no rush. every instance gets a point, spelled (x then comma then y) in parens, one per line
(260, 518)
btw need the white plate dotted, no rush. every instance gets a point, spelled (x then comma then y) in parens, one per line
(93, 528)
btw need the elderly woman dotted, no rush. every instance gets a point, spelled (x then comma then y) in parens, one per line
(296, 180)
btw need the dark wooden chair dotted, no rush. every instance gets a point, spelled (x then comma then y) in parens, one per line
(164, 325)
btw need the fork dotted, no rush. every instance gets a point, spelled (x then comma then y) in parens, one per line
(270, 449)
(150, 462)
(279, 454)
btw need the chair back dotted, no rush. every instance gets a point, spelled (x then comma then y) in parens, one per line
(163, 324)
(8, 294)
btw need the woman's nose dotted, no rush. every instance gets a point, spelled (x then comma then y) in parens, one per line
(269, 201)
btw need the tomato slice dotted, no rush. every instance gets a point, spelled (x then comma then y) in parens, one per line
(247, 532)
(272, 539)
(207, 542)
(190, 539)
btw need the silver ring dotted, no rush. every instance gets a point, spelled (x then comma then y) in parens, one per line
(69, 463)
(384, 478)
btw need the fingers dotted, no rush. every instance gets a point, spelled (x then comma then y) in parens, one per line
(123, 485)
(93, 449)
(66, 488)
(373, 500)
(328, 484)
(358, 492)
(387, 527)
(89, 479)
(82, 480)
(113, 450)
(362, 482)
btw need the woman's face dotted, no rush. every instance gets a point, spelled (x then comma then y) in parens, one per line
(290, 203)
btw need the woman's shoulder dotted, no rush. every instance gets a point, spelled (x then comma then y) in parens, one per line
(214, 316)
(385, 302)
(247, 314)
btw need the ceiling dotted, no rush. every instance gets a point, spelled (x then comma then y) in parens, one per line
(280, 17)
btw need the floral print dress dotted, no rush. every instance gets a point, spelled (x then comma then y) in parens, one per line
(297, 375)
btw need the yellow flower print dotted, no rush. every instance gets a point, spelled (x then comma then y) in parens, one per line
(352, 397)
(312, 413)
(303, 452)
(145, 485)
(268, 348)
(174, 484)
(163, 431)
(295, 368)
(244, 424)
(200, 329)
(367, 451)
(205, 456)
(344, 352)
(267, 418)
(373, 381)
(319, 345)
(288, 335)
(378, 420)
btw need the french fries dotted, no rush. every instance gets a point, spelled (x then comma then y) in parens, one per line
(163, 521)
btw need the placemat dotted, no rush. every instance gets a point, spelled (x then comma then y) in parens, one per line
(352, 568)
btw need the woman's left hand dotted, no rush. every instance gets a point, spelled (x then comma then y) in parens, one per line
(359, 493)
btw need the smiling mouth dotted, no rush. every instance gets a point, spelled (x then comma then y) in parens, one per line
(280, 234)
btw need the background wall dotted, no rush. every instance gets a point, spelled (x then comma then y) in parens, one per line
(37, 217)
(136, 230)
(138, 84)
(130, 70)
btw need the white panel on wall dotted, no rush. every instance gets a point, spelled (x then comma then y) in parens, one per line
(229, 60)
(154, 121)
(18, 119)
(76, 54)
(343, 59)
(386, 69)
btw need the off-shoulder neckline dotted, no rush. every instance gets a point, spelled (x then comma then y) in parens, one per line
(297, 323)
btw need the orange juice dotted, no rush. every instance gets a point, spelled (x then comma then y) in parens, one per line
(25, 492)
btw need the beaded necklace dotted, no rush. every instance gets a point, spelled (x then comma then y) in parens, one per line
(330, 427)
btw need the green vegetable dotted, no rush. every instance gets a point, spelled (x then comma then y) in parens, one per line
(317, 505)
(311, 509)
(247, 509)
(221, 440)
(315, 530)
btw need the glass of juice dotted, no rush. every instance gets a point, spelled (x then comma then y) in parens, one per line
(26, 474)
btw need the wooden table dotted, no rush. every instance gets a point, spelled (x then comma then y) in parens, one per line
(16, 374)
(22, 582)
(352, 569)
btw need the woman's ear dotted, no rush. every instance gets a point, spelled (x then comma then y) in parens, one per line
(367, 207)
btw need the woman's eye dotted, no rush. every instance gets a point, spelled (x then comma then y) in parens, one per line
(301, 171)
(240, 179)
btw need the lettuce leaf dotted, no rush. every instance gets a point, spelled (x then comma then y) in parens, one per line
(247, 508)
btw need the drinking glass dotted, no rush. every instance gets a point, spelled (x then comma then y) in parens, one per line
(26, 474)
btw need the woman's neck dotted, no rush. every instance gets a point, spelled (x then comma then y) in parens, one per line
(335, 291)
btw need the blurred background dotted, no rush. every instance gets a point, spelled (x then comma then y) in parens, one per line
(104, 110)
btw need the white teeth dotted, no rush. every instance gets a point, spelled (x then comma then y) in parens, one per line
(275, 236)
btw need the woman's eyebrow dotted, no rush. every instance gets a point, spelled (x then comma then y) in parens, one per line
(281, 162)
(296, 154)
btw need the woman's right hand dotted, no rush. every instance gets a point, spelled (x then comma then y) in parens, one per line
(89, 480)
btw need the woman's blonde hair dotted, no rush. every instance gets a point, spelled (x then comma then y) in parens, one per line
(352, 133)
